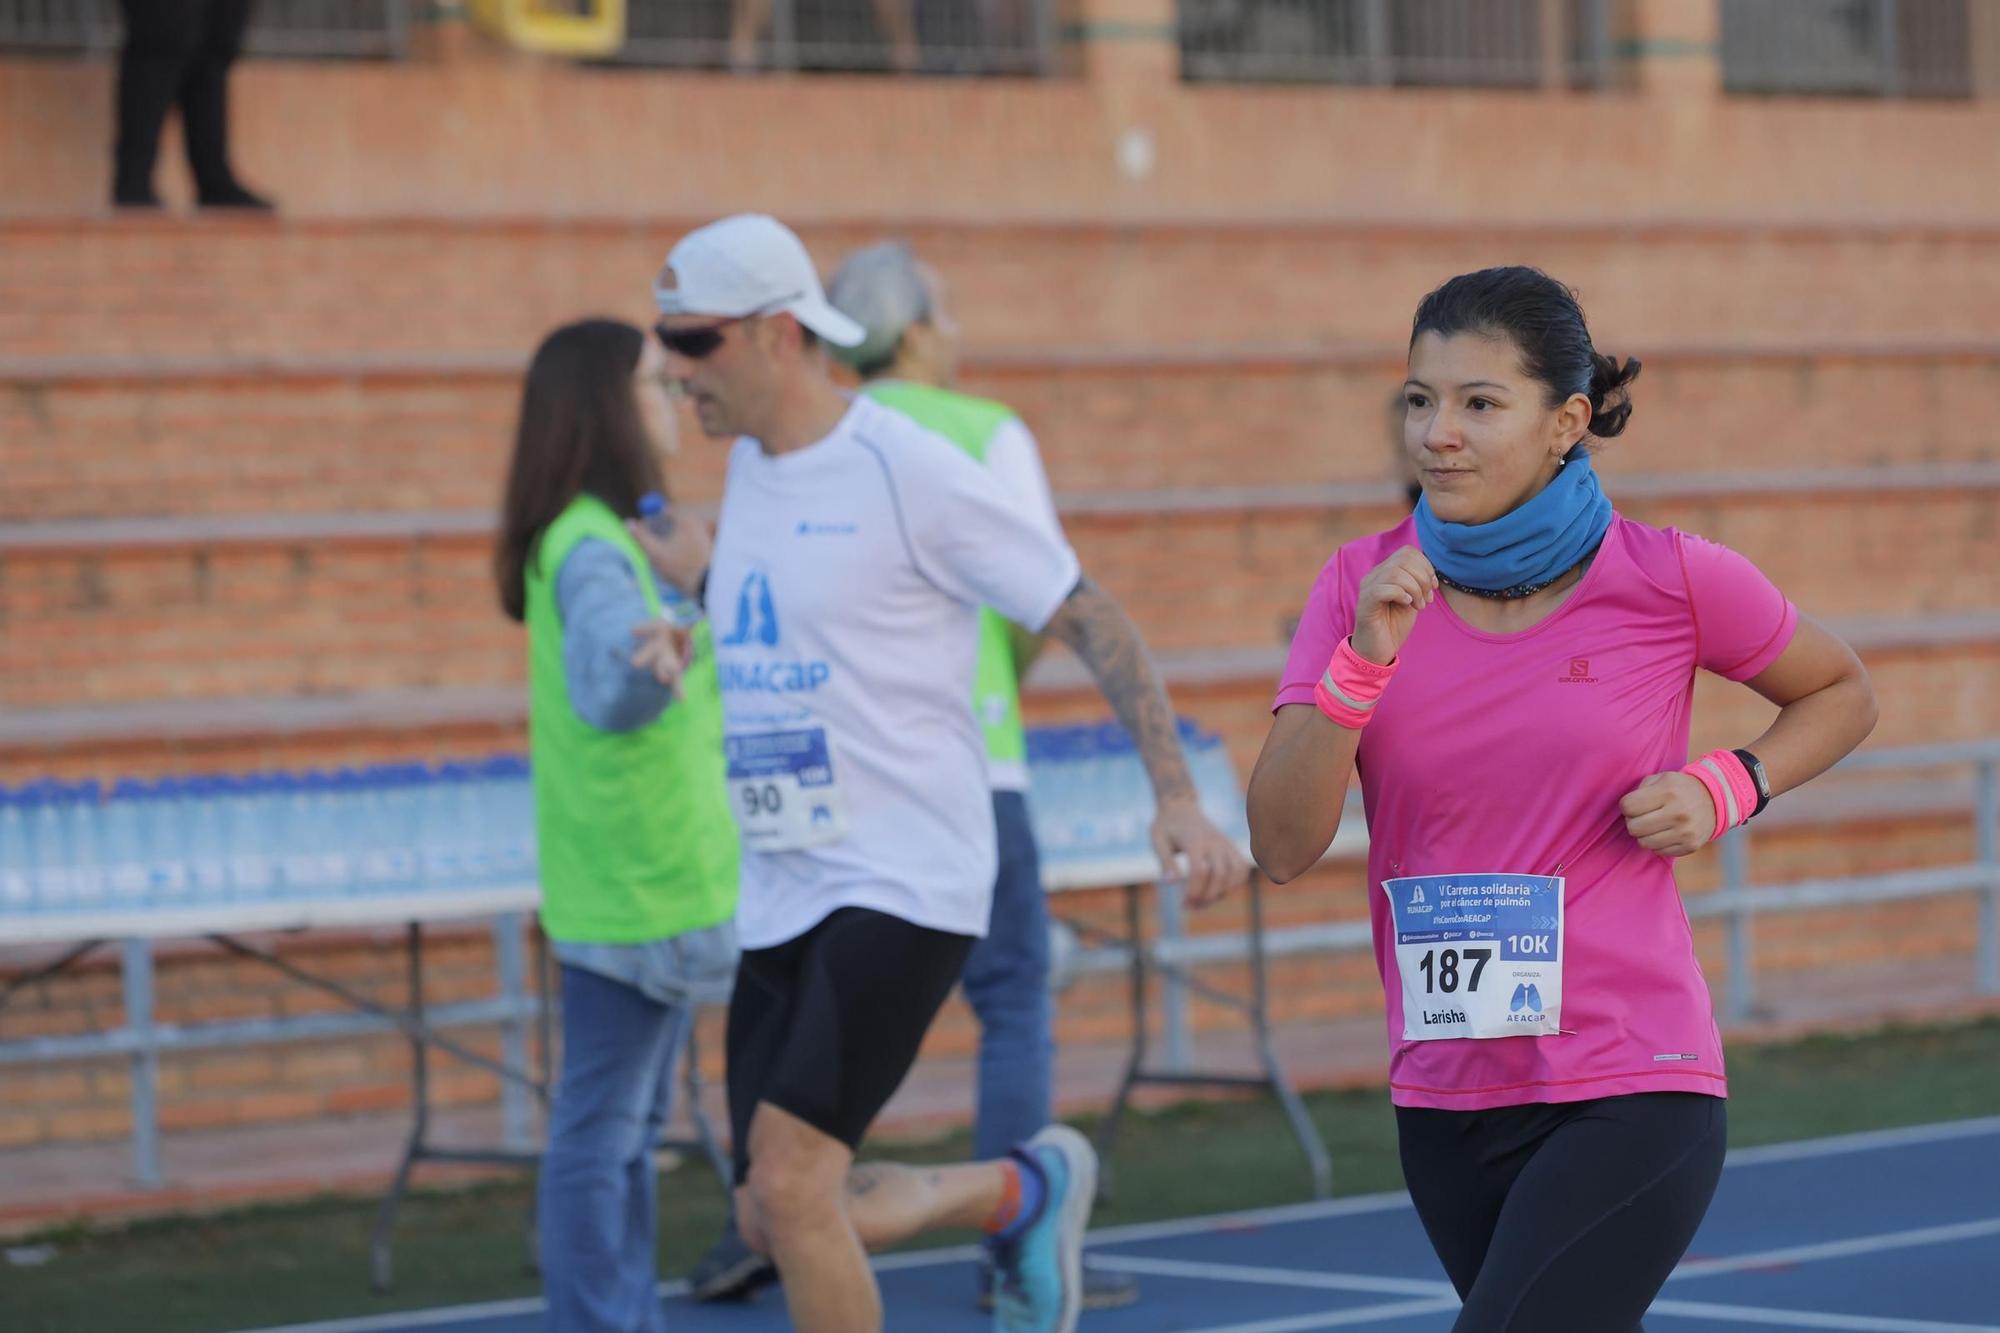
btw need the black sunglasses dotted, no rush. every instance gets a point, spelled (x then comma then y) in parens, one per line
(701, 341)
(695, 343)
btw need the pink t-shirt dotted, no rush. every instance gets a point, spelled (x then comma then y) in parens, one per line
(1508, 753)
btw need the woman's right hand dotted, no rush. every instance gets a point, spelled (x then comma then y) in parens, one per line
(1386, 607)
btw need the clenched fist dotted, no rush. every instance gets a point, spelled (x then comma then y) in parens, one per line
(1386, 605)
(1669, 813)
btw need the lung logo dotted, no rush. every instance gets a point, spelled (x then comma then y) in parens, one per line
(756, 617)
(1417, 896)
(1526, 997)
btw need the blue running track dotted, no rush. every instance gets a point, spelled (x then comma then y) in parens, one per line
(1891, 1232)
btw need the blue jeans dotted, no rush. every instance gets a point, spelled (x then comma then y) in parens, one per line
(599, 1189)
(1007, 983)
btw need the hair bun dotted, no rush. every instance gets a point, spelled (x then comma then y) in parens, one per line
(1610, 394)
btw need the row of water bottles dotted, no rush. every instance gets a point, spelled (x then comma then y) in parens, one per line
(1089, 795)
(265, 837)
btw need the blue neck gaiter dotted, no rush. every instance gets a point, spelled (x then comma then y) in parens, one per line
(1528, 548)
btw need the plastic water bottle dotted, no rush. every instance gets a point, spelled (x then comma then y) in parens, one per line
(476, 826)
(370, 835)
(49, 872)
(207, 839)
(402, 812)
(86, 867)
(503, 779)
(250, 831)
(521, 813)
(166, 841)
(1049, 781)
(294, 840)
(675, 606)
(444, 832)
(1079, 766)
(122, 847)
(16, 890)
(1107, 754)
(332, 865)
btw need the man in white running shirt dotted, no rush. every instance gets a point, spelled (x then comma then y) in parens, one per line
(852, 555)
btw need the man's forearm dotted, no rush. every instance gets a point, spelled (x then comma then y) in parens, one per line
(1099, 632)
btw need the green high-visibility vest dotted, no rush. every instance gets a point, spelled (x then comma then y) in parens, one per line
(970, 423)
(637, 841)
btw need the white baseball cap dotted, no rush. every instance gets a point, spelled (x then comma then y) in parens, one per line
(749, 264)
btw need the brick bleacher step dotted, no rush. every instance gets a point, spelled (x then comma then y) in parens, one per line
(110, 437)
(279, 604)
(427, 286)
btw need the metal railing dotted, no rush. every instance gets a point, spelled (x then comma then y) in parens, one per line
(1461, 43)
(301, 28)
(1738, 903)
(1878, 48)
(947, 37)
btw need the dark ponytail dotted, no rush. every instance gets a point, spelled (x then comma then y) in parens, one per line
(1540, 317)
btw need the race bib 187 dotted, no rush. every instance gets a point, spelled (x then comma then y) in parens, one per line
(783, 786)
(1480, 955)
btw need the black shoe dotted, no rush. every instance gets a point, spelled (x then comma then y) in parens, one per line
(235, 196)
(125, 196)
(730, 1271)
(1103, 1288)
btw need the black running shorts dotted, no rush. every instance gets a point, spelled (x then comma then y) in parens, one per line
(826, 1025)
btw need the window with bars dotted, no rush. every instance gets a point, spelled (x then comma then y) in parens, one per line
(1878, 48)
(910, 36)
(1464, 43)
(310, 28)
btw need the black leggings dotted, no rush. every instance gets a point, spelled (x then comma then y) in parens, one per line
(1563, 1218)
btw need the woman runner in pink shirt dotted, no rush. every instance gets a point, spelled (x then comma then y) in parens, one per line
(1511, 671)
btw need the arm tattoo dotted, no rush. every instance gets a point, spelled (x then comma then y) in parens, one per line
(1098, 631)
(866, 1178)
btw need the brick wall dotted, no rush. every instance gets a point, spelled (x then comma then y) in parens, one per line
(1815, 290)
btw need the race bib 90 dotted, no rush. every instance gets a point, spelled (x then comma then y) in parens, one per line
(1480, 955)
(784, 791)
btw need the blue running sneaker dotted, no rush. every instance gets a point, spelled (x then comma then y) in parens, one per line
(1534, 998)
(1040, 1287)
(1520, 998)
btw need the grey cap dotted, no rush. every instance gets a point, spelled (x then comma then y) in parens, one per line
(883, 289)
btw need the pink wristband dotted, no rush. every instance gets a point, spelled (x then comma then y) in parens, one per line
(1350, 687)
(1730, 787)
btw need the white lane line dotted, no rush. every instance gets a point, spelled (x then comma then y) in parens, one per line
(1873, 1139)
(1854, 1323)
(1838, 1249)
(1316, 1211)
(1274, 1277)
(418, 1318)
(1367, 1314)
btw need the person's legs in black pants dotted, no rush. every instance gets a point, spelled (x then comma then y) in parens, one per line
(160, 41)
(1563, 1219)
(204, 101)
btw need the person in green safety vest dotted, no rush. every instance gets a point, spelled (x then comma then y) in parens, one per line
(637, 847)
